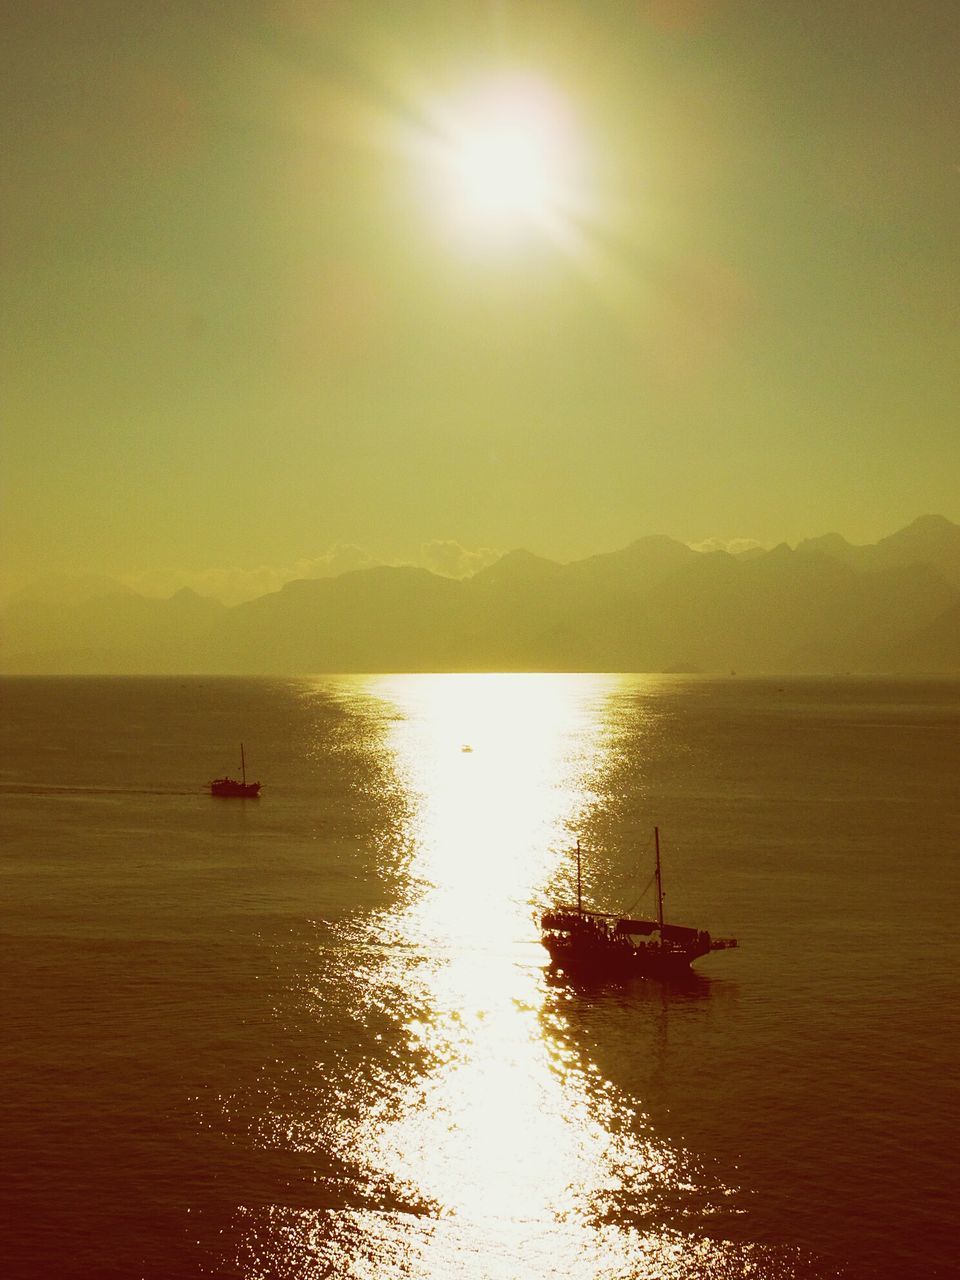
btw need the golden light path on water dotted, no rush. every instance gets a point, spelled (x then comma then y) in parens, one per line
(494, 763)
(503, 1152)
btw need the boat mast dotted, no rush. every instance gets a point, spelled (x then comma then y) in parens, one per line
(243, 765)
(656, 838)
(579, 893)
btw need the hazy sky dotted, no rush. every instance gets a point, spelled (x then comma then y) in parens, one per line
(253, 309)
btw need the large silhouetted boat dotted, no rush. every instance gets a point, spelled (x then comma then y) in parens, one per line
(597, 944)
(232, 787)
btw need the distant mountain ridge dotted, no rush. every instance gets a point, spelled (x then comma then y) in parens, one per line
(656, 605)
(929, 539)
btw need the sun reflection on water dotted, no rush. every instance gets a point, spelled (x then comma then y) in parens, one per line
(486, 1132)
(481, 1140)
(487, 821)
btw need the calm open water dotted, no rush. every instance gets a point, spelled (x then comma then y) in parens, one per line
(313, 1035)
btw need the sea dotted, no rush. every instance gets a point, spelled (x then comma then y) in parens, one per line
(315, 1034)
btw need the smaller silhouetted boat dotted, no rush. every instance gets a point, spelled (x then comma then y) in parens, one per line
(231, 787)
(599, 945)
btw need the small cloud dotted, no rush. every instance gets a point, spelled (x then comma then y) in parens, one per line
(452, 560)
(733, 546)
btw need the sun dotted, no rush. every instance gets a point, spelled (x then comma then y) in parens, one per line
(502, 173)
(506, 155)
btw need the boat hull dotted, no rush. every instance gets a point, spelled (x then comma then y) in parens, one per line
(229, 788)
(589, 945)
(630, 962)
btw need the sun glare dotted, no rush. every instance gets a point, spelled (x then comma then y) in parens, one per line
(507, 154)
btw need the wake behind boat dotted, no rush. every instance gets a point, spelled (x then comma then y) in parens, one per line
(231, 787)
(598, 944)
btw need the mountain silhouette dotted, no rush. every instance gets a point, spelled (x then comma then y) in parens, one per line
(655, 605)
(931, 540)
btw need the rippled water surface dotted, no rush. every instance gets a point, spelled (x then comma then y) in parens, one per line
(315, 1035)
